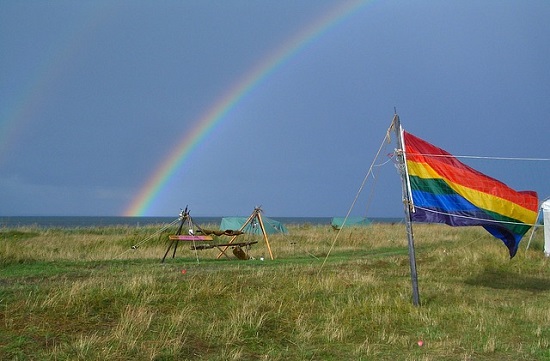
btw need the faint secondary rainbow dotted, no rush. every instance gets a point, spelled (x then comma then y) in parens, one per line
(27, 100)
(204, 125)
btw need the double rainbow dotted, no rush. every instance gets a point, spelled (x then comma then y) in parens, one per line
(213, 116)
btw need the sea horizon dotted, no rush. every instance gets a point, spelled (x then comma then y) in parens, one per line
(105, 221)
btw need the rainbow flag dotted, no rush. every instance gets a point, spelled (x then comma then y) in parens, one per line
(445, 190)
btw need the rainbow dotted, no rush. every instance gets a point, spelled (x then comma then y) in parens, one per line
(28, 98)
(208, 121)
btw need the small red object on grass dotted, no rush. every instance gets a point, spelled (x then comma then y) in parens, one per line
(183, 271)
(420, 343)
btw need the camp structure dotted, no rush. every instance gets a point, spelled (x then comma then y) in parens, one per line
(200, 239)
(255, 224)
(339, 222)
(271, 226)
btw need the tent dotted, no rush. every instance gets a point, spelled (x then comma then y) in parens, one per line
(235, 223)
(337, 222)
(254, 224)
(543, 219)
(546, 220)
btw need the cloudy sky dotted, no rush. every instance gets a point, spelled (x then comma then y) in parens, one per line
(96, 96)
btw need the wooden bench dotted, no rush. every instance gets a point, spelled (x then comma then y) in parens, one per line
(175, 238)
(181, 237)
(237, 250)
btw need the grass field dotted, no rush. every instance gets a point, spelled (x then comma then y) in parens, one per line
(84, 294)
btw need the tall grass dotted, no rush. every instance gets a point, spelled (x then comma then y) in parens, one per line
(85, 294)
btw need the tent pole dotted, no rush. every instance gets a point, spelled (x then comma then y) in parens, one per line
(533, 229)
(264, 232)
(401, 158)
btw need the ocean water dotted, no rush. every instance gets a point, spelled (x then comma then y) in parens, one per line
(73, 222)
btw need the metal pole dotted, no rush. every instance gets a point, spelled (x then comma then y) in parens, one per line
(406, 206)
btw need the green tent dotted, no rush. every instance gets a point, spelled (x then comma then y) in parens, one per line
(337, 222)
(235, 223)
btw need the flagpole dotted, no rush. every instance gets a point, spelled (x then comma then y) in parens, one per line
(407, 203)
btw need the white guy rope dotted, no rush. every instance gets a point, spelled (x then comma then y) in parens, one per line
(385, 140)
(136, 246)
(482, 157)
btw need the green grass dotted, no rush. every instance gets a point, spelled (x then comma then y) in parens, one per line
(84, 294)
